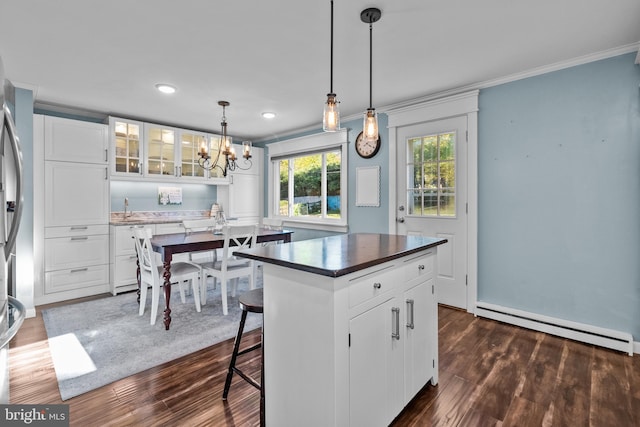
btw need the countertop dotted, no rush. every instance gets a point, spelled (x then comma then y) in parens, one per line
(339, 255)
(155, 217)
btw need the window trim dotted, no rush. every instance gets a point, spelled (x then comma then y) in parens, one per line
(306, 145)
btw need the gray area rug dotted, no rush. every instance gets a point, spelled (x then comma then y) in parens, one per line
(97, 342)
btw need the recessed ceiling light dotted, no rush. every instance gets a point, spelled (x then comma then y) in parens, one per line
(165, 88)
(268, 115)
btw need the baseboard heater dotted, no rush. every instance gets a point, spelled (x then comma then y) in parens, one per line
(616, 340)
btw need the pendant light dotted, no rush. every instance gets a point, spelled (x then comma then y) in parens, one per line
(370, 125)
(331, 116)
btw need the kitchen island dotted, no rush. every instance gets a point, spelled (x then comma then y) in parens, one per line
(350, 327)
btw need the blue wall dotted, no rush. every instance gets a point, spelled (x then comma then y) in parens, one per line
(360, 219)
(143, 196)
(559, 194)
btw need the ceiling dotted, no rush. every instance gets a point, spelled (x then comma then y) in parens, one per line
(105, 57)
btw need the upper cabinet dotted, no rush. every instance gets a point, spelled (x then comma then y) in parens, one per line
(151, 151)
(126, 147)
(75, 141)
(160, 145)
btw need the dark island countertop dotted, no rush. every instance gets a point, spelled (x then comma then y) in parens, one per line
(338, 255)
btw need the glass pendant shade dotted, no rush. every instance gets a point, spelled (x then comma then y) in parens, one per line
(370, 125)
(331, 117)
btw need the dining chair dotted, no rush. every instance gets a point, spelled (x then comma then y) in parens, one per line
(151, 274)
(230, 267)
(202, 259)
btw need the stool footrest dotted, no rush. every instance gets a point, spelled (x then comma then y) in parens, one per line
(247, 378)
(250, 349)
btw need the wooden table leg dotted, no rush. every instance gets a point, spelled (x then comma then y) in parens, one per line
(167, 294)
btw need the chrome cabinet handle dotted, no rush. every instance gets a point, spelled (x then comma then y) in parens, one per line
(377, 285)
(410, 305)
(80, 238)
(395, 323)
(421, 267)
(79, 270)
(79, 228)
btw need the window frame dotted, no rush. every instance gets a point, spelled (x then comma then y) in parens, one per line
(307, 145)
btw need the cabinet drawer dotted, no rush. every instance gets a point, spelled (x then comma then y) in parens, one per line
(76, 251)
(75, 230)
(373, 284)
(125, 270)
(169, 228)
(419, 266)
(70, 279)
(124, 244)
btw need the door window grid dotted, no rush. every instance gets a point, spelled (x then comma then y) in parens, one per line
(431, 175)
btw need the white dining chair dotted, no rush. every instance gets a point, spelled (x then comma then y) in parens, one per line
(202, 259)
(230, 267)
(151, 274)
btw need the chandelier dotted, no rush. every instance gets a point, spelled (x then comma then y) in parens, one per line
(225, 148)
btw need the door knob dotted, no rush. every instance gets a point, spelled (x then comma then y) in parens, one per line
(401, 219)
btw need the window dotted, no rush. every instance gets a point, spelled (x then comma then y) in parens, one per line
(431, 170)
(309, 186)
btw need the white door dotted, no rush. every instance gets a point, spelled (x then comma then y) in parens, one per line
(431, 199)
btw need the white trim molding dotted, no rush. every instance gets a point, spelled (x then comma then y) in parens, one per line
(462, 104)
(307, 145)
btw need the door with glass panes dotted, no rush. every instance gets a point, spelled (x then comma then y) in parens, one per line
(432, 196)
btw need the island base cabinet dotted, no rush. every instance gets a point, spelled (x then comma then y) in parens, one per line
(351, 350)
(375, 355)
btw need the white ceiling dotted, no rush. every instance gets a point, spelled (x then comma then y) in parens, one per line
(260, 55)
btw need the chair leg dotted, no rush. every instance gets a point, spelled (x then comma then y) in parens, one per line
(155, 300)
(181, 287)
(234, 286)
(223, 295)
(143, 298)
(234, 355)
(195, 285)
(203, 288)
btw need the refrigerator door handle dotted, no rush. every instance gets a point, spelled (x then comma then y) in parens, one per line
(17, 155)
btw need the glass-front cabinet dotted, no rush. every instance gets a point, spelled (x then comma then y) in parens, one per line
(161, 151)
(190, 146)
(126, 147)
(147, 150)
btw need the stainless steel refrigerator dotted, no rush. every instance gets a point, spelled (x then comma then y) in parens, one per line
(11, 201)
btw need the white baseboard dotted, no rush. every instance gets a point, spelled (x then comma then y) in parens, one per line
(616, 340)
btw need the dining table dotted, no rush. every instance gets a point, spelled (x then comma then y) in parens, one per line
(167, 245)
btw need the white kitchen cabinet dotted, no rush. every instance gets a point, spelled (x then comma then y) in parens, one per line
(73, 194)
(76, 194)
(374, 358)
(149, 151)
(123, 254)
(75, 141)
(243, 198)
(160, 150)
(391, 343)
(126, 147)
(373, 344)
(124, 261)
(76, 259)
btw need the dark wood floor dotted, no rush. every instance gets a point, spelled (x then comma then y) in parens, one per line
(491, 374)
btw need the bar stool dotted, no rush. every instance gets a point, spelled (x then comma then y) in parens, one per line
(250, 301)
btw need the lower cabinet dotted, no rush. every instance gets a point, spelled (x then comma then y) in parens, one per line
(76, 261)
(358, 347)
(124, 261)
(391, 346)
